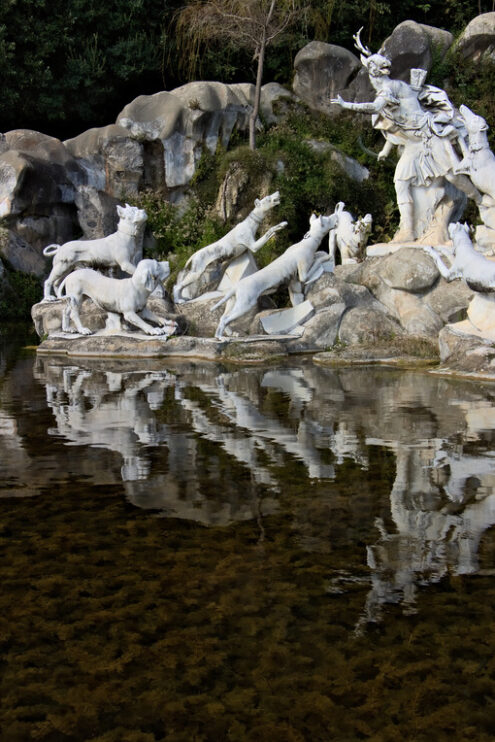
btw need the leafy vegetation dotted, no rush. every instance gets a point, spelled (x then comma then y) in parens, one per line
(18, 292)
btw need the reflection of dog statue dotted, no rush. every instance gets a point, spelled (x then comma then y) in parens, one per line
(125, 296)
(298, 260)
(349, 237)
(242, 237)
(468, 263)
(123, 248)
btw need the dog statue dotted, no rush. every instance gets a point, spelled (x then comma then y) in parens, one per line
(125, 296)
(479, 162)
(242, 237)
(297, 261)
(121, 249)
(467, 263)
(349, 237)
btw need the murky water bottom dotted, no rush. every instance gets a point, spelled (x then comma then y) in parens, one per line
(194, 552)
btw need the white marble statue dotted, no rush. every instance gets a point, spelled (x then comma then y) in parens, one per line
(121, 249)
(349, 237)
(124, 297)
(297, 261)
(479, 164)
(241, 238)
(467, 263)
(422, 122)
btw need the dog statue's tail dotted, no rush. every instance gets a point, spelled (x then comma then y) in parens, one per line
(50, 250)
(225, 298)
(60, 288)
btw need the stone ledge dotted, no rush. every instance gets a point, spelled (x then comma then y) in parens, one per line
(255, 349)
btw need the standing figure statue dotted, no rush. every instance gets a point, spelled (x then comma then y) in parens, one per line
(422, 122)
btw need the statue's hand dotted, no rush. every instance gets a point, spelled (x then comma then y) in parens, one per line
(382, 155)
(339, 101)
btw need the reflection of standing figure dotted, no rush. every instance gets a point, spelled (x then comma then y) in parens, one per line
(422, 122)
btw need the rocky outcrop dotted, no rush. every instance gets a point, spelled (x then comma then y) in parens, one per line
(322, 71)
(477, 41)
(51, 192)
(413, 45)
(190, 118)
(38, 183)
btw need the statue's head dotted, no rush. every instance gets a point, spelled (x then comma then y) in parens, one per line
(377, 65)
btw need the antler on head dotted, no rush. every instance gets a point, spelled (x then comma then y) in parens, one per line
(359, 44)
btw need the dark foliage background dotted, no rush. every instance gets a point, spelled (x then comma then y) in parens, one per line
(71, 64)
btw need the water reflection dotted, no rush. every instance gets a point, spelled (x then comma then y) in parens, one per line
(216, 446)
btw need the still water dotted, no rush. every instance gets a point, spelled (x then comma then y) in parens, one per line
(196, 552)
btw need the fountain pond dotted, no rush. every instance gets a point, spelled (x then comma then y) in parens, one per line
(199, 552)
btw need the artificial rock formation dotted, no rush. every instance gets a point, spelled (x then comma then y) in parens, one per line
(51, 191)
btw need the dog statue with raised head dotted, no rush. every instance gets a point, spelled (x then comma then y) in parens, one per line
(124, 297)
(467, 263)
(121, 249)
(297, 261)
(242, 237)
(479, 161)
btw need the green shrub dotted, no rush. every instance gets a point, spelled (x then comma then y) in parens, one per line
(18, 292)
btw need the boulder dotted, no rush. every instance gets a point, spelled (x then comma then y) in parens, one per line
(352, 168)
(112, 160)
(478, 38)
(38, 182)
(230, 191)
(274, 102)
(331, 289)
(368, 324)
(412, 45)
(466, 354)
(322, 71)
(410, 309)
(320, 331)
(449, 300)
(193, 116)
(409, 269)
(96, 212)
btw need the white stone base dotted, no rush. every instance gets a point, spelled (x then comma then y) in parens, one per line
(244, 265)
(288, 321)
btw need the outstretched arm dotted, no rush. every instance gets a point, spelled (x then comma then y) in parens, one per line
(371, 107)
